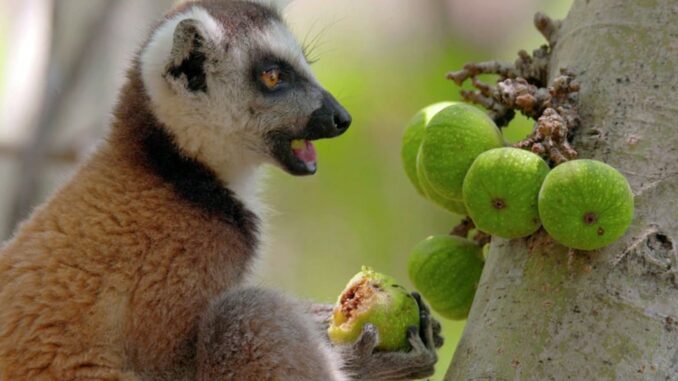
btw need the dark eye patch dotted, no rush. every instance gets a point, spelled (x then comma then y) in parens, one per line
(289, 77)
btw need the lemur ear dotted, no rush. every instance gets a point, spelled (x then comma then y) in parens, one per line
(189, 55)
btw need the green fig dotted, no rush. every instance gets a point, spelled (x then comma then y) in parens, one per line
(414, 134)
(585, 204)
(446, 270)
(454, 137)
(501, 190)
(454, 206)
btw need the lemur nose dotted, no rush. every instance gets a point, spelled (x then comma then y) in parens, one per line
(342, 119)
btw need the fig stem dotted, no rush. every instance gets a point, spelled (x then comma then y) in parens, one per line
(482, 238)
(523, 86)
(463, 228)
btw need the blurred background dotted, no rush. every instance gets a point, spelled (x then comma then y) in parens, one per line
(62, 61)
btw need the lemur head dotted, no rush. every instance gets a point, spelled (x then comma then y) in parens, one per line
(231, 84)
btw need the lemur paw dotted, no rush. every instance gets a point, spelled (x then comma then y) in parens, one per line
(362, 362)
(429, 328)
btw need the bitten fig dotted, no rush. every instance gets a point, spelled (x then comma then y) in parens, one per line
(372, 297)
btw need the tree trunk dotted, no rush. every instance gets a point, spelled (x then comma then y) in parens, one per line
(543, 314)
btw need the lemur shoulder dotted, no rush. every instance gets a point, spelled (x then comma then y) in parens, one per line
(133, 270)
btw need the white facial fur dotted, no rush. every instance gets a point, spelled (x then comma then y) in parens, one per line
(215, 126)
(279, 40)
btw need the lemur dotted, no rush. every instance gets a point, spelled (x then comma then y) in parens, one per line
(134, 269)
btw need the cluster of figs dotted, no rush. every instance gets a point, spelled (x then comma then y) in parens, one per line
(455, 156)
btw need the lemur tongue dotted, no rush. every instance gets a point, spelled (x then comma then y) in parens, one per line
(304, 151)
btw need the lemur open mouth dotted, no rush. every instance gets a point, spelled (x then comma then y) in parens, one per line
(294, 151)
(304, 151)
(296, 155)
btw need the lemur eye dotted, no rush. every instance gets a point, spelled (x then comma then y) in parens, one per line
(270, 77)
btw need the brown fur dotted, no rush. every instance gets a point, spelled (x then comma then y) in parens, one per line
(113, 272)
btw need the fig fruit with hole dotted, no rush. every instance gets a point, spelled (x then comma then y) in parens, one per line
(501, 191)
(453, 138)
(585, 204)
(372, 297)
(446, 270)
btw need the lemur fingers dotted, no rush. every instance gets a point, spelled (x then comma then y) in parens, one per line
(429, 328)
(439, 340)
(368, 340)
(364, 363)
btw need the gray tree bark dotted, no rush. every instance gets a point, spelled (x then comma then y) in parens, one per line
(542, 313)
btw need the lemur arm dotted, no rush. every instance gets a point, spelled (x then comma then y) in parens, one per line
(257, 334)
(362, 362)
